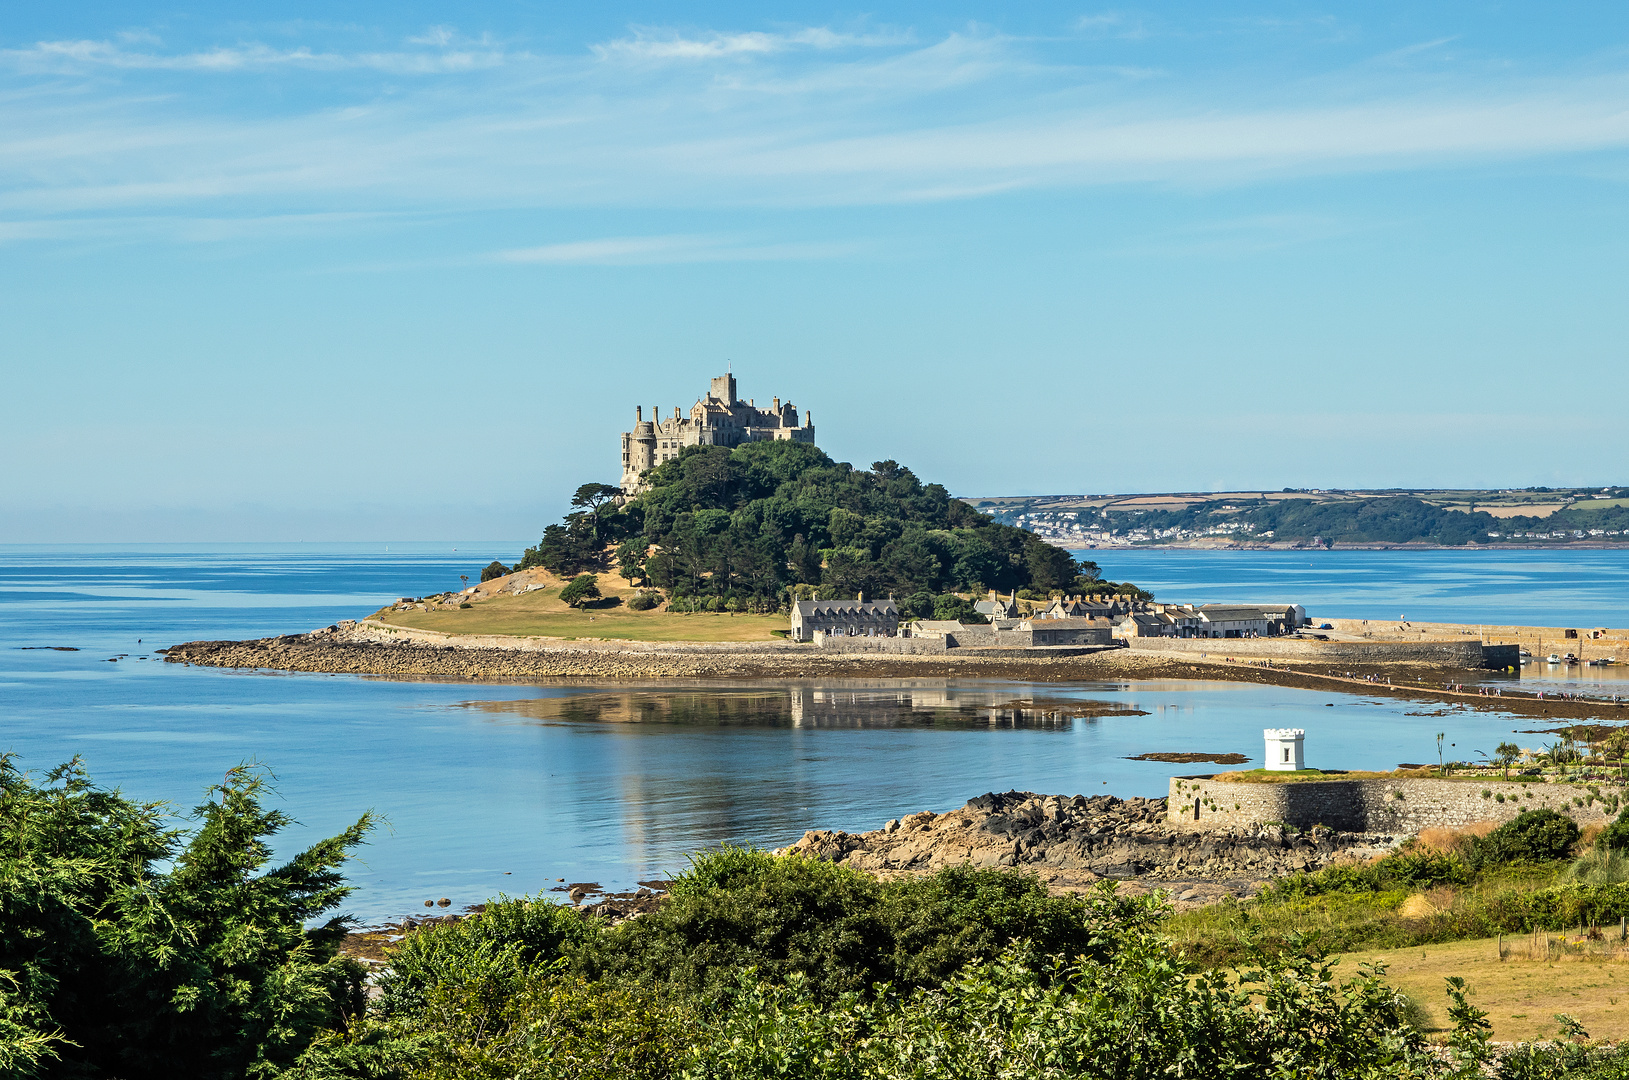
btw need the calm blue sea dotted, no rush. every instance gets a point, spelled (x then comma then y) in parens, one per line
(505, 788)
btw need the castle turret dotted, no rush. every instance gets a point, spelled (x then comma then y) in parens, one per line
(1285, 751)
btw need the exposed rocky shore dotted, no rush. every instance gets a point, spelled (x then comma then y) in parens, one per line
(1072, 842)
(355, 649)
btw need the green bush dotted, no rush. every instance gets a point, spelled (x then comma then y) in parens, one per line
(1533, 836)
(130, 950)
(1615, 837)
(644, 601)
(507, 940)
(494, 569)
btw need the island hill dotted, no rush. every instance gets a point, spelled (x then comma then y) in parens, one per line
(717, 543)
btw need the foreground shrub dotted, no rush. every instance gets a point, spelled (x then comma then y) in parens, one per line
(1615, 837)
(112, 966)
(1533, 836)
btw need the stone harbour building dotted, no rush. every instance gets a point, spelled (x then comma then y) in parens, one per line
(718, 419)
(844, 618)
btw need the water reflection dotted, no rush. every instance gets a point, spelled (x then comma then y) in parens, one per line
(845, 703)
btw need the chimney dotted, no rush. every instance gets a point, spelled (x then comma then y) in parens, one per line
(638, 413)
(777, 404)
(808, 418)
(860, 598)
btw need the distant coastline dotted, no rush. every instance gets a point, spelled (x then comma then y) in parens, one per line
(1200, 545)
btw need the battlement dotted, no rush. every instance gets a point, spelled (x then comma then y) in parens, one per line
(718, 419)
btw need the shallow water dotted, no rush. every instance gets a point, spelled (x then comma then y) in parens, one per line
(506, 787)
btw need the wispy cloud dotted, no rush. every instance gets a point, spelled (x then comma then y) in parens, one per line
(1112, 24)
(63, 56)
(649, 43)
(1408, 52)
(807, 117)
(655, 250)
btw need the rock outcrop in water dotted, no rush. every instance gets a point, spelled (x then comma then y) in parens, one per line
(1072, 842)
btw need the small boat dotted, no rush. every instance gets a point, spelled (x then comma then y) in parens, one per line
(1553, 658)
(1603, 661)
(1569, 659)
(1526, 653)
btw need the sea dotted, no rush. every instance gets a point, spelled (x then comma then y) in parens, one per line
(514, 788)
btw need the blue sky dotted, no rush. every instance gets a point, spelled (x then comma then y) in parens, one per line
(367, 271)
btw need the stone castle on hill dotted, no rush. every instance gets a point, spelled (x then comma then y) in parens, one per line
(719, 419)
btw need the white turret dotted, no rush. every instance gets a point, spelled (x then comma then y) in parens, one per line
(1284, 750)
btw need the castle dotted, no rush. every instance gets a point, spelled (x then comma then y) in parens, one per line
(719, 419)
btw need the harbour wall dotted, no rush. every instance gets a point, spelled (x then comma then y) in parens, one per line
(1401, 805)
(1446, 653)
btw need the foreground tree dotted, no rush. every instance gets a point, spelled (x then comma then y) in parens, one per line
(111, 966)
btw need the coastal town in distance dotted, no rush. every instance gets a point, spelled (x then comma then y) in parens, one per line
(1301, 519)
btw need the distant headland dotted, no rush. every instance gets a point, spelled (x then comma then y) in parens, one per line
(1312, 518)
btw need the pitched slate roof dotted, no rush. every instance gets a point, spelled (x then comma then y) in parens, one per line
(1241, 612)
(851, 608)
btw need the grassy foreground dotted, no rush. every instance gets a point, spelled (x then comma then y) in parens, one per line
(130, 950)
(541, 613)
(1520, 993)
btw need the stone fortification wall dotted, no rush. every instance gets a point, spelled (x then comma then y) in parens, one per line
(1385, 805)
(893, 646)
(384, 633)
(1451, 653)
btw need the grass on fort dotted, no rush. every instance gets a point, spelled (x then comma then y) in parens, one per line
(541, 613)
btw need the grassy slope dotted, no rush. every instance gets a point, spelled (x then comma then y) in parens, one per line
(541, 614)
(1521, 995)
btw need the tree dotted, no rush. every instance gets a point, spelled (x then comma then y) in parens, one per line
(494, 569)
(1506, 754)
(1617, 746)
(134, 951)
(631, 559)
(591, 497)
(580, 590)
(952, 608)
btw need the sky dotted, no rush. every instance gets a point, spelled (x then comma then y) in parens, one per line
(359, 271)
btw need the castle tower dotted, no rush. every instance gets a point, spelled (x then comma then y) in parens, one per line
(719, 419)
(1284, 749)
(724, 389)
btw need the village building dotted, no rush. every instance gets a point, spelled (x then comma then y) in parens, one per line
(1067, 631)
(844, 618)
(718, 419)
(1211, 621)
(997, 608)
(1239, 620)
(1092, 607)
(936, 628)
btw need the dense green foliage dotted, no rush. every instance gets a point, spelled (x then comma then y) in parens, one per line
(1533, 836)
(493, 569)
(755, 968)
(1615, 837)
(1516, 879)
(111, 966)
(752, 522)
(839, 930)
